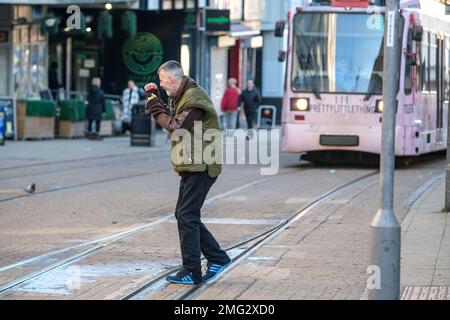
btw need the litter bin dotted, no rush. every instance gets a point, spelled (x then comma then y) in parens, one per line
(2, 126)
(142, 127)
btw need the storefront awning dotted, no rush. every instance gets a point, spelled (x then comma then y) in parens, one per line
(241, 30)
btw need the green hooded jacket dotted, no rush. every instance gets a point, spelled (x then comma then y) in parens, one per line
(204, 152)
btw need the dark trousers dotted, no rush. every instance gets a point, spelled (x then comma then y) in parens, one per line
(194, 236)
(97, 125)
(250, 117)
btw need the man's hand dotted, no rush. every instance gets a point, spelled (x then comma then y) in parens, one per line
(152, 104)
(152, 88)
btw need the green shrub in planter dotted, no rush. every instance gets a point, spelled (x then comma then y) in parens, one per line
(72, 110)
(40, 108)
(109, 113)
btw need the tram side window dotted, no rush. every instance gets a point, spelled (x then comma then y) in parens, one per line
(432, 64)
(408, 66)
(424, 63)
(447, 69)
(418, 67)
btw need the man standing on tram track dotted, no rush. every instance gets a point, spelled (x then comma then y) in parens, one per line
(188, 102)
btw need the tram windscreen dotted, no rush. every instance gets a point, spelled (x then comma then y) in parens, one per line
(338, 53)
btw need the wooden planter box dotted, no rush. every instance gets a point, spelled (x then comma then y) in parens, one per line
(69, 129)
(105, 128)
(33, 127)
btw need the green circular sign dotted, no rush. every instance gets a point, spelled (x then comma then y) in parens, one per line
(142, 53)
(190, 19)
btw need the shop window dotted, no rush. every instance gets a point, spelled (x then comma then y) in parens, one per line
(29, 62)
(167, 4)
(4, 66)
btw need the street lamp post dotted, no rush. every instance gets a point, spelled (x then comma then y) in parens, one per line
(198, 44)
(385, 228)
(447, 165)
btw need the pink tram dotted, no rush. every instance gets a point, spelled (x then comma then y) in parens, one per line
(334, 71)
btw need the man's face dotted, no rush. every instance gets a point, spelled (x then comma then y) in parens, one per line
(168, 82)
(130, 84)
(250, 85)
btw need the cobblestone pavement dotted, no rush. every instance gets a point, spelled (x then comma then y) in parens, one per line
(113, 188)
(326, 255)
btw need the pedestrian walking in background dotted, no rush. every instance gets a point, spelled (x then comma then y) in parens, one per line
(53, 81)
(54, 85)
(229, 104)
(188, 102)
(251, 99)
(95, 109)
(130, 97)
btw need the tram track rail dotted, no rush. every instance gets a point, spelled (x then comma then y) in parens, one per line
(141, 289)
(80, 185)
(259, 240)
(108, 240)
(99, 244)
(159, 154)
(139, 227)
(31, 165)
(86, 166)
(193, 292)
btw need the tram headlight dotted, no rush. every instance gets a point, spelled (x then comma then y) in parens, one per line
(300, 104)
(379, 106)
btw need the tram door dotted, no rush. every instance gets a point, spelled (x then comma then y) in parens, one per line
(440, 89)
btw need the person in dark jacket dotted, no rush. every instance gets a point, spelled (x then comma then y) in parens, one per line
(53, 82)
(95, 109)
(251, 99)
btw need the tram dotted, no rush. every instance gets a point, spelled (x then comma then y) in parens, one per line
(333, 101)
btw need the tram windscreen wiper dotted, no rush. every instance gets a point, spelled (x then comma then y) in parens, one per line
(369, 93)
(307, 65)
(373, 89)
(316, 92)
(375, 86)
(314, 86)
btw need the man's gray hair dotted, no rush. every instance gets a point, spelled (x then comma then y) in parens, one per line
(173, 67)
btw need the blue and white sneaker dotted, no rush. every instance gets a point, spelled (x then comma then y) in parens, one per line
(183, 277)
(213, 269)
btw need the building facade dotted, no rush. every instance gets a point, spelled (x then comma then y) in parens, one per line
(40, 51)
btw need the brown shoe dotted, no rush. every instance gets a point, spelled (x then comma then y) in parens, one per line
(97, 136)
